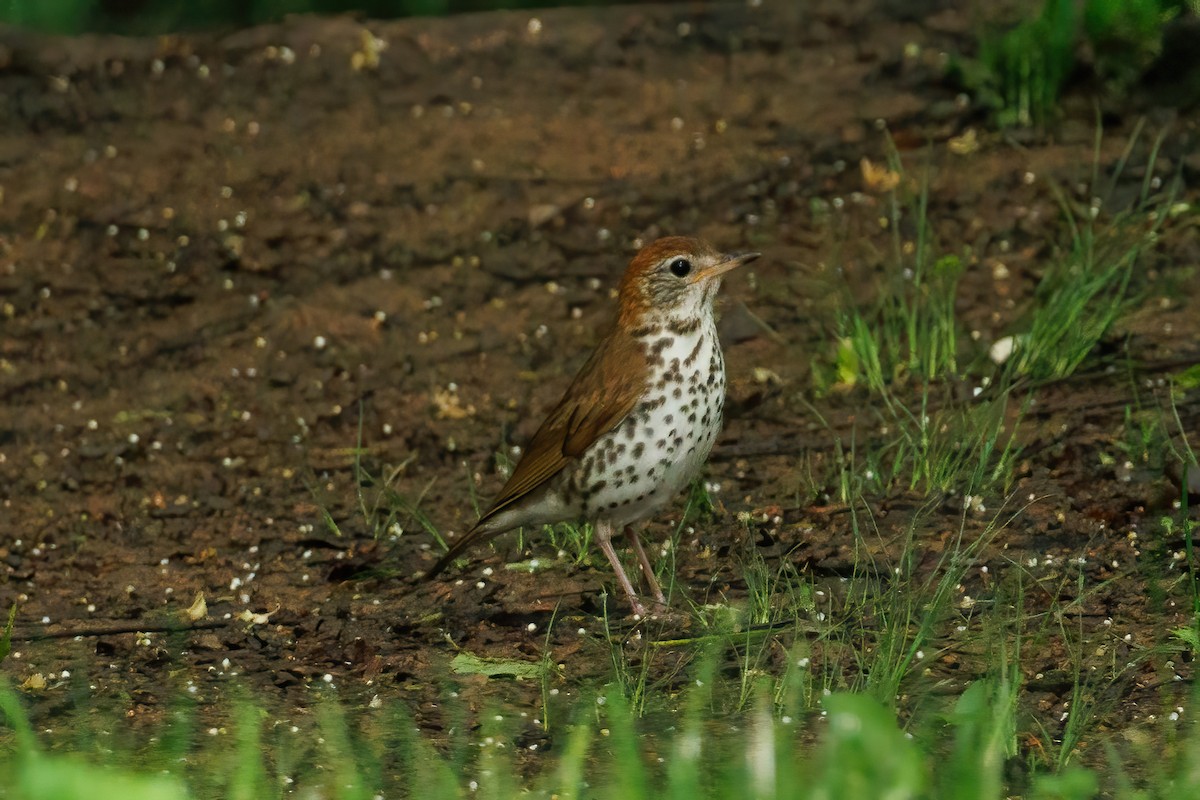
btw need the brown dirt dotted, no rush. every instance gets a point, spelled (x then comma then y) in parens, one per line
(222, 255)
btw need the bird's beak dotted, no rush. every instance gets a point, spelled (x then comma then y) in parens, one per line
(727, 262)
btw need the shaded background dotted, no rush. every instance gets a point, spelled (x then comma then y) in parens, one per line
(139, 17)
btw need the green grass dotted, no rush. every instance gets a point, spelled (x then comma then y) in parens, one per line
(910, 343)
(1087, 288)
(1029, 64)
(849, 745)
(947, 413)
(1021, 69)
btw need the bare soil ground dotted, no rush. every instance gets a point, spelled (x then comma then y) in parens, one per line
(223, 255)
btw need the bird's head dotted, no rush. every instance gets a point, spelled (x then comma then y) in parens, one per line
(676, 276)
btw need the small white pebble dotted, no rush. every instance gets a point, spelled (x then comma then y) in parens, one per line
(1002, 349)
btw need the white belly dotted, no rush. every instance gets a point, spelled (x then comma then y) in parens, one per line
(661, 446)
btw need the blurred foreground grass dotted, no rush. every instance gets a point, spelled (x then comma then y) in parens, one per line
(860, 751)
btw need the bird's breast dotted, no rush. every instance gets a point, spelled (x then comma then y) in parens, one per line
(659, 448)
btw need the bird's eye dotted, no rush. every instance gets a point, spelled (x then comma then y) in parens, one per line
(680, 267)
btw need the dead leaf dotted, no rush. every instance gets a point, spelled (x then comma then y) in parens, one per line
(965, 144)
(198, 610)
(261, 618)
(449, 406)
(878, 178)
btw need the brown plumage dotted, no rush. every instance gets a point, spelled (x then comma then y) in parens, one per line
(603, 393)
(601, 436)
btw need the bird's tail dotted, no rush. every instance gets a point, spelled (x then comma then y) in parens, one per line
(477, 535)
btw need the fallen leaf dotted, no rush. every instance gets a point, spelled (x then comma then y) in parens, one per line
(198, 610)
(878, 178)
(468, 664)
(965, 144)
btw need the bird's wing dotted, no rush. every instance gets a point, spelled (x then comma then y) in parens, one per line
(603, 393)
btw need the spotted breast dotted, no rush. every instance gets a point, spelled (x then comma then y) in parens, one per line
(659, 448)
(638, 420)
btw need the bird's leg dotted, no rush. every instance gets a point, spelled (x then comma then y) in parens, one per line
(647, 568)
(604, 534)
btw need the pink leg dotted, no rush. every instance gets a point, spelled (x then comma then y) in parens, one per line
(647, 568)
(604, 534)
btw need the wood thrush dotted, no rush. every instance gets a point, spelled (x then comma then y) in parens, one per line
(640, 418)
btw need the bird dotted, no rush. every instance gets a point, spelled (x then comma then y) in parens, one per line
(638, 421)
